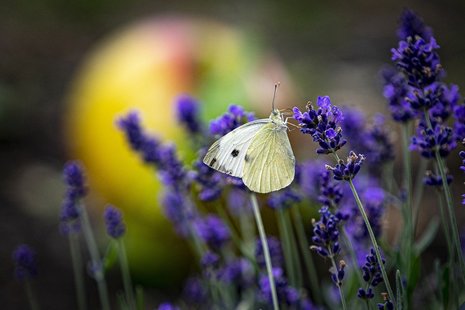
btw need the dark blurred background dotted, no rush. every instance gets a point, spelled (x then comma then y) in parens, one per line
(328, 47)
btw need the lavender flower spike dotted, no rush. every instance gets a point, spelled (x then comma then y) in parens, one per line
(25, 262)
(114, 222)
(348, 170)
(187, 113)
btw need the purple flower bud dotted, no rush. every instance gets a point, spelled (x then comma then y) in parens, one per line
(114, 222)
(24, 259)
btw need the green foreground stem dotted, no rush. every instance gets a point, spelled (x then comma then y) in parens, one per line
(266, 251)
(76, 258)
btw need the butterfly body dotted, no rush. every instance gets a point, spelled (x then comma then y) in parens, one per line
(259, 152)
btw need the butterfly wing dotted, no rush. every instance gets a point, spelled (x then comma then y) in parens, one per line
(227, 154)
(269, 164)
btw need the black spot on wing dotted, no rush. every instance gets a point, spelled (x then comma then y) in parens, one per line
(213, 161)
(234, 153)
(247, 158)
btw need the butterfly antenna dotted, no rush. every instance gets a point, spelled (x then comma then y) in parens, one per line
(274, 97)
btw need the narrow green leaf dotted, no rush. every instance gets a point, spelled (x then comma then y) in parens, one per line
(427, 236)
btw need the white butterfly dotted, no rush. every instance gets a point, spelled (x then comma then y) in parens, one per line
(259, 152)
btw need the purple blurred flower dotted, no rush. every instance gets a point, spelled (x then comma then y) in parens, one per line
(238, 272)
(322, 125)
(24, 259)
(411, 26)
(309, 177)
(276, 253)
(187, 113)
(194, 291)
(330, 191)
(168, 306)
(179, 210)
(283, 199)
(212, 231)
(76, 189)
(229, 121)
(114, 222)
(432, 179)
(396, 90)
(459, 122)
(286, 294)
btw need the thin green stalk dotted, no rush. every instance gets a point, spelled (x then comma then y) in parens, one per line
(373, 240)
(418, 191)
(449, 202)
(341, 292)
(31, 296)
(288, 257)
(123, 260)
(95, 258)
(407, 211)
(308, 260)
(76, 259)
(266, 251)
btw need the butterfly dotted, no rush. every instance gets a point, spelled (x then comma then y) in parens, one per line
(259, 152)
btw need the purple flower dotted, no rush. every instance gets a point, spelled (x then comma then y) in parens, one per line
(309, 177)
(238, 202)
(179, 210)
(418, 60)
(114, 222)
(373, 141)
(210, 181)
(213, 231)
(210, 260)
(276, 253)
(187, 113)
(330, 191)
(429, 140)
(349, 169)
(326, 234)
(194, 291)
(322, 125)
(411, 26)
(432, 179)
(24, 259)
(238, 272)
(229, 121)
(459, 122)
(168, 306)
(286, 294)
(371, 273)
(396, 90)
(76, 190)
(133, 130)
(283, 199)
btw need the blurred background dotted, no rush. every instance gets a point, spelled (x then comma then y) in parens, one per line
(68, 69)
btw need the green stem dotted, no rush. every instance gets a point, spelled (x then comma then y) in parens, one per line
(76, 258)
(123, 259)
(373, 241)
(97, 267)
(353, 256)
(31, 296)
(288, 259)
(418, 191)
(308, 260)
(266, 251)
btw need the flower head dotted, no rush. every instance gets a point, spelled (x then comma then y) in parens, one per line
(429, 140)
(326, 234)
(187, 113)
(114, 222)
(349, 169)
(432, 179)
(371, 273)
(396, 90)
(286, 294)
(411, 26)
(212, 230)
(322, 125)
(76, 189)
(24, 259)
(418, 60)
(229, 121)
(179, 210)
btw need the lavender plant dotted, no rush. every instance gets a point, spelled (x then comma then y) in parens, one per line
(332, 215)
